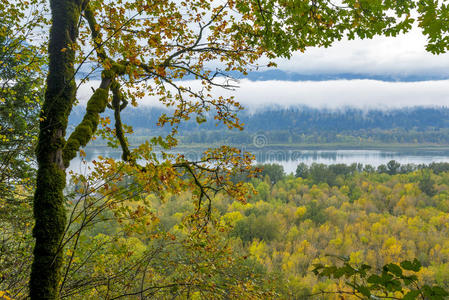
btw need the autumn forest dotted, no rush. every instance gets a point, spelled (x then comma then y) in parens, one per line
(159, 224)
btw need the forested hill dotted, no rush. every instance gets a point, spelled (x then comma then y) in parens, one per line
(304, 119)
(310, 119)
(306, 125)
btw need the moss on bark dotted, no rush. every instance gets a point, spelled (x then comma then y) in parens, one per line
(49, 211)
(53, 153)
(84, 131)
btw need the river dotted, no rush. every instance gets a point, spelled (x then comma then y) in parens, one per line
(289, 158)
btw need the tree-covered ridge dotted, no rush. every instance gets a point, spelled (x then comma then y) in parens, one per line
(303, 119)
(304, 125)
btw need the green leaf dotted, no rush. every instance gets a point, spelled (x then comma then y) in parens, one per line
(410, 279)
(395, 269)
(439, 291)
(411, 295)
(375, 279)
(414, 265)
(364, 291)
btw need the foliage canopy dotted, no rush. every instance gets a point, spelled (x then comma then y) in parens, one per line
(144, 48)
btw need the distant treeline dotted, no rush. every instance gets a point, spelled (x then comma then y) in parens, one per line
(350, 137)
(335, 174)
(305, 125)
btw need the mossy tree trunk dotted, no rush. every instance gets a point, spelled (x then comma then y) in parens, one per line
(54, 153)
(49, 211)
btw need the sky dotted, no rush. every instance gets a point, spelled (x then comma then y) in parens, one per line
(400, 56)
(357, 64)
(381, 73)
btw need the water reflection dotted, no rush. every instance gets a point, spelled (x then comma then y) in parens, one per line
(290, 158)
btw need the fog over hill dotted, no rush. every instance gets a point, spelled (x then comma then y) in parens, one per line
(362, 94)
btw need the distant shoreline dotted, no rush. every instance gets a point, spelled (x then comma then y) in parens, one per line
(325, 146)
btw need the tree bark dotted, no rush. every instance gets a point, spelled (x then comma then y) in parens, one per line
(49, 210)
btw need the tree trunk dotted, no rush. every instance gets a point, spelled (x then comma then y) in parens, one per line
(49, 211)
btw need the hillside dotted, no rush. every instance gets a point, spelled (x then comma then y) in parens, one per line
(303, 125)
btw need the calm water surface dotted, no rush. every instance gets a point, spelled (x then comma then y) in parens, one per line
(290, 158)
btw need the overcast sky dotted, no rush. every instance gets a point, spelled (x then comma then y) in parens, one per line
(391, 57)
(402, 55)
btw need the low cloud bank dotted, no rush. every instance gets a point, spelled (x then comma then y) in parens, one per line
(336, 94)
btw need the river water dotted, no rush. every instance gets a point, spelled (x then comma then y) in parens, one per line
(289, 158)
